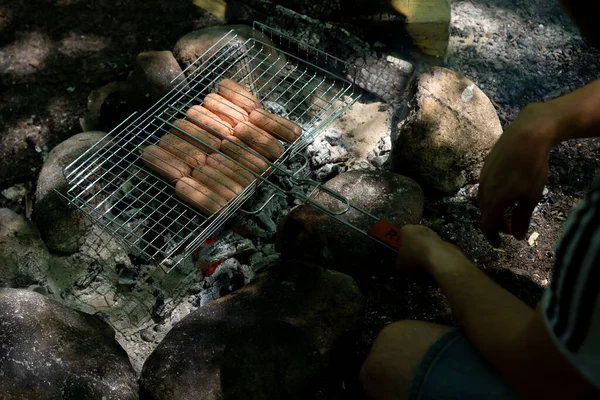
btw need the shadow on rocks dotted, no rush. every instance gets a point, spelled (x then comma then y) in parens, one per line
(272, 339)
(311, 235)
(51, 352)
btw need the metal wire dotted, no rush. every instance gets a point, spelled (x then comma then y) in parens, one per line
(127, 190)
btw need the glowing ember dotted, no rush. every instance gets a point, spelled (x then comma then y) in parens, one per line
(209, 269)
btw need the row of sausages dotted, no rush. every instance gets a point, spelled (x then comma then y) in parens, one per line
(215, 151)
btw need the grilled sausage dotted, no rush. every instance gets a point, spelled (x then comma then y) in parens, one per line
(225, 109)
(217, 181)
(195, 135)
(230, 169)
(237, 95)
(277, 126)
(259, 140)
(237, 150)
(199, 196)
(165, 164)
(209, 121)
(183, 150)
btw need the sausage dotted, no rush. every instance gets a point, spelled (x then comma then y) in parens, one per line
(199, 196)
(195, 135)
(209, 121)
(225, 109)
(237, 95)
(165, 164)
(277, 126)
(183, 150)
(230, 169)
(259, 140)
(237, 150)
(218, 182)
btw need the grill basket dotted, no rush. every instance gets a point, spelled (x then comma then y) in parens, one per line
(114, 188)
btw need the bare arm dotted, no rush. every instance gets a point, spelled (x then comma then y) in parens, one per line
(579, 114)
(509, 334)
(516, 170)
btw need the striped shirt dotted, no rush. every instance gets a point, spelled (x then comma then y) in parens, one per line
(572, 302)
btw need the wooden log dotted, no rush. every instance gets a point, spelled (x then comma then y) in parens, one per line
(427, 23)
(218, 8)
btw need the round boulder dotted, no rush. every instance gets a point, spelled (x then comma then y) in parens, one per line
(51, 352)
(271, 339)
(153, 75)
(23, 255)
(91, 118)
(62, 227)
(309, 234)
(200, 43)
(450, 128)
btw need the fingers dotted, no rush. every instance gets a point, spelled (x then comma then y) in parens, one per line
(506, 219)
(493, 218)
(521, 218)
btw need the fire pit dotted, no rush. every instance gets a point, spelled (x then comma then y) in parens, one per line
(111, 185)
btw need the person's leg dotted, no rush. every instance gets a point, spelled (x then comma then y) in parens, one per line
(390, 366)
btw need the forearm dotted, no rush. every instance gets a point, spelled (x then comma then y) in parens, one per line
(578, 113)
(491, 317)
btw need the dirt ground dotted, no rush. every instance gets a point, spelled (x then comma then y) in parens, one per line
(54, 52)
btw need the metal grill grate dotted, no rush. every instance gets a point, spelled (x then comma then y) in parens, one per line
(113, 187)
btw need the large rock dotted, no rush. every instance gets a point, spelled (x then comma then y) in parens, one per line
(61, 226)
(153, 75)
(450, 128)
(222, 50)
(91, 118)
(198, 43)
(52, 352)
(23, 255)
(268, 340)
(309, 234)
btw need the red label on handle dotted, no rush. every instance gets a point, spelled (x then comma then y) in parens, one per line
(386, 232)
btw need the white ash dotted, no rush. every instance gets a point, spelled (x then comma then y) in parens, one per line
(361, 164)
(329, 171)
(321, 152)
(227, 277)
(229, 245)
(380, 155)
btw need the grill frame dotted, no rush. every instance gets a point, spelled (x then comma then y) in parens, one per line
(101, 181)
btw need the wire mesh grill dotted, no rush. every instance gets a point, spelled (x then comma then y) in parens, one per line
(111, 184)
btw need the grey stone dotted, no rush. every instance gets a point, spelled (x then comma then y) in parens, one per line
(15, 193)
(312, 235)
(91, 118)
(199, 43)
(52, 352)
(61, 226)
(23, 255)
(154, 74)
(269, 340)
(450, 128)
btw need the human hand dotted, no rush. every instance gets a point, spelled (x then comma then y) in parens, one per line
(421, 248)
(515, 172)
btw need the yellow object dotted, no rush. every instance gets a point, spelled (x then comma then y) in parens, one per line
(427, 23)
(217, 8)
